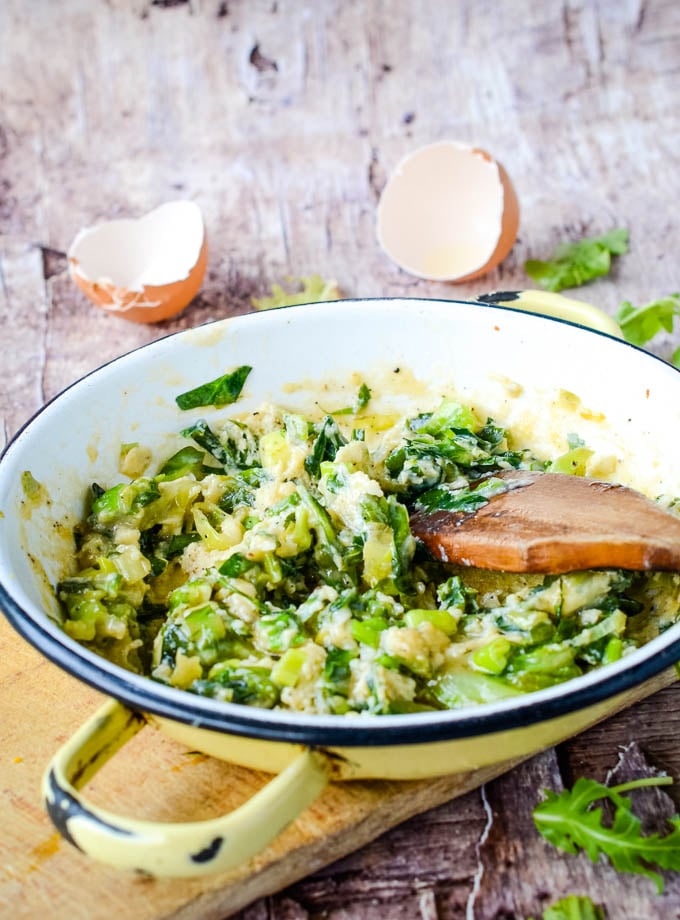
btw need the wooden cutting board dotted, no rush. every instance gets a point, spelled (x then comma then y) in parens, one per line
(156, 778)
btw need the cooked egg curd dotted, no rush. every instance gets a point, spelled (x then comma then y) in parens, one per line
(270, 562)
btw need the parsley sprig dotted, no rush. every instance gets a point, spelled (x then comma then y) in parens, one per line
(573, 264)
(641, 324)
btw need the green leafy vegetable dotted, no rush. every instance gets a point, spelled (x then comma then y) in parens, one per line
(326, 445)
(573, 264)
(185, 461)
(314, 289)
(219, 392)
(265, 556)
(574, 907)
(641, 324)
(464, 500)
(570, 823)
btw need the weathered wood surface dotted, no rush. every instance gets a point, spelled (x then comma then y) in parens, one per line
(282, 121)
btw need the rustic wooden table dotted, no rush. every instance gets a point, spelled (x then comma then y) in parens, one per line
(282, 120)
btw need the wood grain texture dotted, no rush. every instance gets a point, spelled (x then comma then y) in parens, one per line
(282, 120)
(155, 778)
(554, 523)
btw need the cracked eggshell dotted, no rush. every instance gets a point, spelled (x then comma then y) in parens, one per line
(145, 270)
(448, 212)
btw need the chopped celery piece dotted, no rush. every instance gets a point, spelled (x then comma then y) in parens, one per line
(585, 589)
(615, 624)
(463, 688)
(450, 415)
(131, 564)
(213, 538)
(378, 553)
(124, 499)
(286, 671)
(442, 619)
(573, 462)
(613, 650)
(493, 657)
(274, 450)
(368, 631)
(400, 707)
(547, 658)
(205, 625)
(191, 594)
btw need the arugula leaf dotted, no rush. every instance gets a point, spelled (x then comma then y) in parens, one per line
(570, 823)
(574, 264)
(219, 392)
(314, 289)
(640, 324)
(574, 907)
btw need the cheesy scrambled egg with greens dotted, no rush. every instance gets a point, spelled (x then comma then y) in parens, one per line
(270, 562)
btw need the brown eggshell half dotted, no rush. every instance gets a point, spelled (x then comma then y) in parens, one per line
(154, 303)
(448, 212)
(144, 270)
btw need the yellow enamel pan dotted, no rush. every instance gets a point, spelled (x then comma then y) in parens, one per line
(557, 305)
(549, 374)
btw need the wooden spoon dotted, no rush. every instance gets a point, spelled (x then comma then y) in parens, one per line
(554, 523)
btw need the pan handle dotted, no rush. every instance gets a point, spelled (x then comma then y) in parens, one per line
(156, 848)
(550, 304)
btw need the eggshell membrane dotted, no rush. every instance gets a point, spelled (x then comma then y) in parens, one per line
(449, 212)
(120, 265)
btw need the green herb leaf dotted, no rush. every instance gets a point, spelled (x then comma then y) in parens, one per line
(328, 441)
(570, 823)
(465, 500)
(574, 264)
(218, 392)
(640, 324)
(574, 907)
(314, 289)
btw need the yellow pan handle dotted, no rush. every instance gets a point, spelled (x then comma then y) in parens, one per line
(185, 849)
(549, 304)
